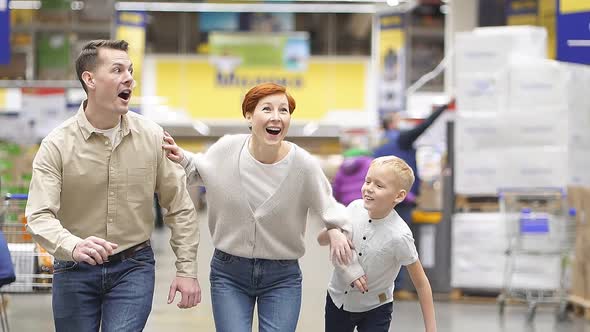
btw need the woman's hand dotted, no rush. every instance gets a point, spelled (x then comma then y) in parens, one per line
(340, 247)
(173, 152)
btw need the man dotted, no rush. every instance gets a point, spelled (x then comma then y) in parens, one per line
(91, 204)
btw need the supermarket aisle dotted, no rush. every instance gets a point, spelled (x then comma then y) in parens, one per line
(33, 312)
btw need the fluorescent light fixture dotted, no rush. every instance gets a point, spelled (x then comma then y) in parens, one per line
(24, 4)
(201, 127)
(361, 8)
(310, 128)
(393, 3)
(77, 5)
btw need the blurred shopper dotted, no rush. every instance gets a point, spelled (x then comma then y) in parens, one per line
(260, 189)
(91, 204)
(349, 178)
(384, 243)
(400, 143)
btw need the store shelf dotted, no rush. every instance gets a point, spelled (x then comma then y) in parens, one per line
(56, 27)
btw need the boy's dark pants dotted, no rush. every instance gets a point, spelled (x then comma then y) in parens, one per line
(375, 320)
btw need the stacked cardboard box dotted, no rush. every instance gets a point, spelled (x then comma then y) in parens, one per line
(579, 198)
(522, 123)
(516, 111)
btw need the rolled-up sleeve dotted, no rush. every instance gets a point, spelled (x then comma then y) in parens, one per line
(43, 204)
(181, 216)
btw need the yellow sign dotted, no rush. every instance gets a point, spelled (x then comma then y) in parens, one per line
(2, 98)
(574, 6)
(204, 92)
(547, 19)
(522, 20)
(131, 28)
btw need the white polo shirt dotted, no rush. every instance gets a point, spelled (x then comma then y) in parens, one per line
(382, 246)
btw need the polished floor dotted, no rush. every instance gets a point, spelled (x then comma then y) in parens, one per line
(32, 312)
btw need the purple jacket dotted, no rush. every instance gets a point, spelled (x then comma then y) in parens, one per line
(349, 179)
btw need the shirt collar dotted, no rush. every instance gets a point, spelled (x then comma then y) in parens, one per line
(87, 128)
(390, 217)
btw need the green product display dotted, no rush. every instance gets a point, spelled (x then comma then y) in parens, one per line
(53, 52)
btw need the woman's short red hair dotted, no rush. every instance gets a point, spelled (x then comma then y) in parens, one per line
(262, 90)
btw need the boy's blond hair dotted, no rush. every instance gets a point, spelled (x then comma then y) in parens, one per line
(403, 173)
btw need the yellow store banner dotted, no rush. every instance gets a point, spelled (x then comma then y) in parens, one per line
(574, 6)
(206, 92)
(131, 28)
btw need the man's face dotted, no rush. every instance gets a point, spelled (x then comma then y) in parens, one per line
(113, 80)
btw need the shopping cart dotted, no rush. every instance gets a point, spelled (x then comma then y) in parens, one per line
(541, 237)
(33, 266)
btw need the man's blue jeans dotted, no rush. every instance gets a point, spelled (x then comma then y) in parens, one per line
(238, 283)
(118, 294)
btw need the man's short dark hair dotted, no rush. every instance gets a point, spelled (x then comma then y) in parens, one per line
(87, 60)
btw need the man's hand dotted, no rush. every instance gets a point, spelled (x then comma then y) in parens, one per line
(93, 250)
(340, 247)
(189, 289)
(361, 284)
(173, 152)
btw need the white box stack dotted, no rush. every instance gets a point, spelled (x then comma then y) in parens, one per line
(523, 121)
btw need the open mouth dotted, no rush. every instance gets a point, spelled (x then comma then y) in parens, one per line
(273, 130)
(367, 198)
(125, 95)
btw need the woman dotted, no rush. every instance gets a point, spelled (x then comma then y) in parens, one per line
(259, 191)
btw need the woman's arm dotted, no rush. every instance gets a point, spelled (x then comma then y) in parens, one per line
(184, 158)
(422, 285)
(325, 237)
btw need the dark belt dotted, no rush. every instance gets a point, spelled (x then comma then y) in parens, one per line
(129, 252)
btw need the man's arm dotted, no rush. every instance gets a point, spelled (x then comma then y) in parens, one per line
(44, 202)
(408, 137)
(181, 216)
(424, 294)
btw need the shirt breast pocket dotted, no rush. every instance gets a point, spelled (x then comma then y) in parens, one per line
(139, 185)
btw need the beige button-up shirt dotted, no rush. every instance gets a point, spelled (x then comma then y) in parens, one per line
(83, 186)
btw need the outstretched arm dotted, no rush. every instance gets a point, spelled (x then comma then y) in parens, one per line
(408, 137)
(424, 294)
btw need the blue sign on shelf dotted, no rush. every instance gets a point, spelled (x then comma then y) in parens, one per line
(573, 37)
(4, 32)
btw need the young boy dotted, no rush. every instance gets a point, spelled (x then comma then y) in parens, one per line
(383, 243)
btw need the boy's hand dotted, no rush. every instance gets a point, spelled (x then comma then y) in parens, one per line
(361, 284)
(340, 247)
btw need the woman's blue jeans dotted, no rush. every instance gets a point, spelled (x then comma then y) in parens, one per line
(238, 283)
(117, 295)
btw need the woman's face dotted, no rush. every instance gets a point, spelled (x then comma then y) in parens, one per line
(270, 119)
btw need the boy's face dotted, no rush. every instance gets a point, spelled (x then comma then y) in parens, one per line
(381, 192)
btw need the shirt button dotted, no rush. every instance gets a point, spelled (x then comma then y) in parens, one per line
(364, 237)
(112, 168)
(106, 142)
(370, 220)
(360, 253)
(346, 292)
(110, 219)
(112, 193)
